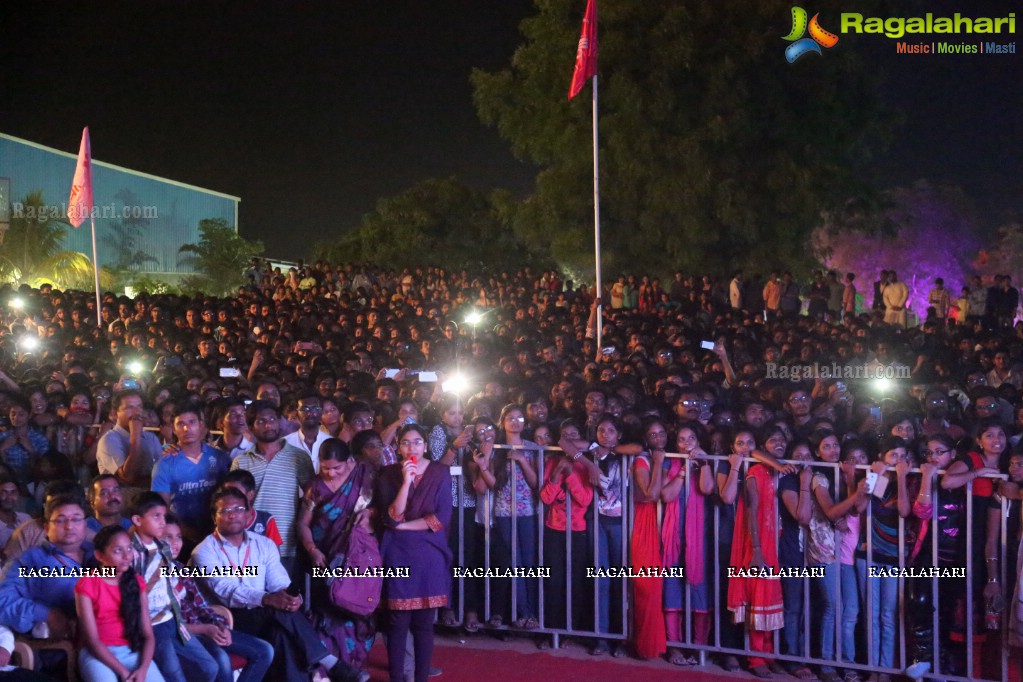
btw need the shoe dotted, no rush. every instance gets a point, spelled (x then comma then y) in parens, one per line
(918, 669)
(731, 664)
(619, 651)
(600, 648)
(342, 672)
(435, 672)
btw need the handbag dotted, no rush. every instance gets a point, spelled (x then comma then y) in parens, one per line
(360, 561)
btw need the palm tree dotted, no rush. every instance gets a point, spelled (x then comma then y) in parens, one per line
(33, 249)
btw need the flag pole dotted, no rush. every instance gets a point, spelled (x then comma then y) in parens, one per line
(596, 219)
(95, 268)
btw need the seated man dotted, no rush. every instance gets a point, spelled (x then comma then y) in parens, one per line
(32, 533)
(31, 596)
(255, 587)
(10, 518)
(106, 499)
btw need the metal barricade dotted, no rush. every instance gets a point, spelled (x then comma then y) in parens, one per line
(716, 590)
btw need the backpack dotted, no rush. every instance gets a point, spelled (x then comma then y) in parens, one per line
(359, 595)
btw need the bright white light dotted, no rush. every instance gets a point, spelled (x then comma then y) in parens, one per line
(135, 367)
(30, 342)
(456, 384)
(883, 385)
(17, 303)
(473, 318)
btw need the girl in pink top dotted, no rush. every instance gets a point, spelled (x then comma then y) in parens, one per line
(113, 617)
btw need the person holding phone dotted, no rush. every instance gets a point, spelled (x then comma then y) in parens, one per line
(889, 499)
(413, 500)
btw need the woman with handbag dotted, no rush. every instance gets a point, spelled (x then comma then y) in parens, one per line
(335, 502)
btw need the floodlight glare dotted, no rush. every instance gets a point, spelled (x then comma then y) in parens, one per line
(459, 383)
(30, 342)
(883, 385)
(17, 303)
(473, 318)
(135, 367)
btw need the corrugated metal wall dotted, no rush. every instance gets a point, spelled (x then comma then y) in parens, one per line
(164, 214)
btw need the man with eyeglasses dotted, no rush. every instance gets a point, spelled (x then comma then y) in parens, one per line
(935, 405)
(258, 592)
(31, 598)
(358, 416)
(310, 436)
(281, 472)
(799, 405)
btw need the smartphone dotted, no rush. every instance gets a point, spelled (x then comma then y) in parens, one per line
(230, 372)
(871, 481)
(607, 350)
(390, 373)
(707, 345)
(294, 590)
(875, 412)
(427, 377)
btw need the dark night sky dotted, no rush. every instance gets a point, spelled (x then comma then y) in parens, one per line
(311, 111)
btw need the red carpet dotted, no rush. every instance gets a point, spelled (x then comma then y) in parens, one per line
(518, 660)
(481, 657)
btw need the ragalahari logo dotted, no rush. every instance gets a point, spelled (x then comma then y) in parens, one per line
(802, 46)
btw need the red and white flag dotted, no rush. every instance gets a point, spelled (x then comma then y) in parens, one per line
(79, 206)
(586, 54)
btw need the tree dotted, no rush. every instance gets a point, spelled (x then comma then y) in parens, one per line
(714, 151)
(922, 232)
(220, 258)
(437, 220)
(33, 249)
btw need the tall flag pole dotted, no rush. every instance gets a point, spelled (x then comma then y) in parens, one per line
(80, 204)
(585, 68)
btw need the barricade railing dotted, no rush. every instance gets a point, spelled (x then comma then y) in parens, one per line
(619, 623)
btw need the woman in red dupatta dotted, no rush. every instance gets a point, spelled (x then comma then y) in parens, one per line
(755, 600)
(647, 472)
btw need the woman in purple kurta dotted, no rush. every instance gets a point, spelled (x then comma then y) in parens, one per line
(415, 506)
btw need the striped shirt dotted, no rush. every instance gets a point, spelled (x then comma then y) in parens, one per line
(279, 485)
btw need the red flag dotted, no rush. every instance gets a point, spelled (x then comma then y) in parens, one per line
(79, 206)
(586, 55)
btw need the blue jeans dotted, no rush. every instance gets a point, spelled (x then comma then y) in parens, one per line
(850, 612)
(884, 598)
(792, 600)
(174, 656)
(826, 591)
(608, 538)
(527, 591)
(94, 670)
(257, 653)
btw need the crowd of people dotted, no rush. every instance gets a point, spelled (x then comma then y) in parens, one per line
(186, 487)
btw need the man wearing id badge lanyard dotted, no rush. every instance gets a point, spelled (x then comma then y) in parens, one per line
(256, 587)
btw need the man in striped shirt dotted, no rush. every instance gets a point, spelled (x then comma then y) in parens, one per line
(281, 472)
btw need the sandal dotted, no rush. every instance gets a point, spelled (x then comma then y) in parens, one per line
(472, 626)
(496, 621)
(619, 651)
(600, 648)
(761, 671)
(447, 618)
(527, 623)
(802, 672)
(731, 664)
(776, 668)
(677, 657)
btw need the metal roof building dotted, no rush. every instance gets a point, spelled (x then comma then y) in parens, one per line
(160, 214)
